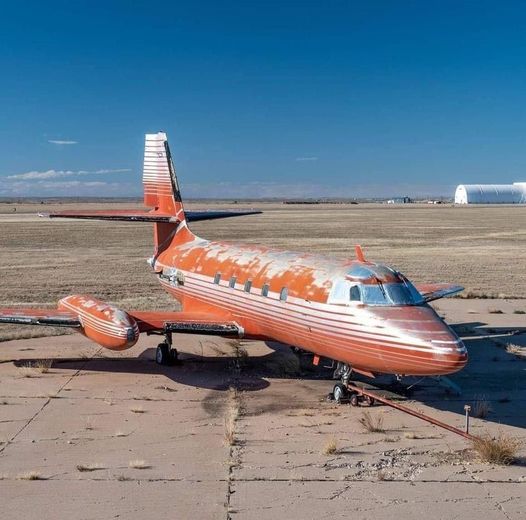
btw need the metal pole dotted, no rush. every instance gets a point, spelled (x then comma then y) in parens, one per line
(467, 409)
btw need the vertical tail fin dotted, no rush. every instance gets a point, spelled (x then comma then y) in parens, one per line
(161, 190)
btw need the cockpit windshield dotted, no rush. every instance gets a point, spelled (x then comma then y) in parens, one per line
(375, 284)
(390, 294)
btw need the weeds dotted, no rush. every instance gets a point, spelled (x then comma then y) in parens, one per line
(516, 350)
(89, 467)
(43, 365)
(234, 410)
(138, 464)
(372, 424)
(495, 311)
(481, 408)
(31, 475)
(330, 447)
(496, 450)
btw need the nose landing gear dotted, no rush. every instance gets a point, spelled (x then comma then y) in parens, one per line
(341, 393)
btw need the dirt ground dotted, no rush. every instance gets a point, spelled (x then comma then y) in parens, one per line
(88, 433)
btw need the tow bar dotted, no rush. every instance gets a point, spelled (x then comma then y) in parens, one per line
(373, 395)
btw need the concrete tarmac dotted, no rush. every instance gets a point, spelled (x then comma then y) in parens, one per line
(113, 435)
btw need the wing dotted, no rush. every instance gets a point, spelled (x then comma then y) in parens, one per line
(434, 291)
(49, 317)
(134, 215)
(186, 323)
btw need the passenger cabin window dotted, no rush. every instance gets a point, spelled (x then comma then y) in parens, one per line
(264, 289)
(217, 278)
(283, 294)
(248, 285)
(232, 283)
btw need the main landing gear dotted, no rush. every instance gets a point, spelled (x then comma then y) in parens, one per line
(165, 353)
(342, 394)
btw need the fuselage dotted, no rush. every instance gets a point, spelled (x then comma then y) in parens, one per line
(360, 313)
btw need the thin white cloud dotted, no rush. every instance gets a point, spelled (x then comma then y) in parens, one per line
(56, 174)
(61, 141)
(68, 187)
(309, 158)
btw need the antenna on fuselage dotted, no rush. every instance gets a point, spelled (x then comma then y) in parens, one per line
(359, 253)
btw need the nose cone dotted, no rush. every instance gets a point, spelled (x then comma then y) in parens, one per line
(428, 345)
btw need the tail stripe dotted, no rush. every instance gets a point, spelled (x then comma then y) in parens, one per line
(160, 183)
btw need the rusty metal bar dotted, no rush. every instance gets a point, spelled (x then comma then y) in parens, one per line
(409, 411)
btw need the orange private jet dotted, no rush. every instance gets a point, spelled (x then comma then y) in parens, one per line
(366, 316)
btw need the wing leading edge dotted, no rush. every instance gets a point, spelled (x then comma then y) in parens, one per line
(434, 291)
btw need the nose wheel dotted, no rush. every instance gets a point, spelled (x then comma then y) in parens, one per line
(342, 394)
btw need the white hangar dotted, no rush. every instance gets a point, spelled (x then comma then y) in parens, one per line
(491, 193)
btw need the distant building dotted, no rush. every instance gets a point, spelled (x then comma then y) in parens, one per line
(400, 200)
(491, 193)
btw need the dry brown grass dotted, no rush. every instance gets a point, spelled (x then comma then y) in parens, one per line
(501, 449)
(372, 424)
(31, 475)
(495, 311)
(43, 365)
(283, 364)
(138, 464)
(481, 407)
(27, 370)
(516, 350)
(234, 410)
(330, 447)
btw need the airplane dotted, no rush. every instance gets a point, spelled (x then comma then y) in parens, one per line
(366, 316)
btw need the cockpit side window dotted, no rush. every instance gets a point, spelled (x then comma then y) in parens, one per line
(343, 292)
(354, 294)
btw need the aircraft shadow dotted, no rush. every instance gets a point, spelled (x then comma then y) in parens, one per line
(492, 382)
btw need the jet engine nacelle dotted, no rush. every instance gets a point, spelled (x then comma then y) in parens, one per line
(101, 322)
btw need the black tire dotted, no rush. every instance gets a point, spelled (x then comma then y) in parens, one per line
(162, 354)
(354, 400)
(368, 400)
(174, 356)
(340, 393)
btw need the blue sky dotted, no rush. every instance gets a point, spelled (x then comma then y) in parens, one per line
(262, 98)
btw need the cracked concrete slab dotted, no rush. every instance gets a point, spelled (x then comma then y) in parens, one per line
(82, 423)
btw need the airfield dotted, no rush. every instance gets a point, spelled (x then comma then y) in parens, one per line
(243, 429)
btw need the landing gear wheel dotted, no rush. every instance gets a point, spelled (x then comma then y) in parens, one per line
(340, 393)
(368, 400)
(174, 356)
(163, 354)
(354, 400)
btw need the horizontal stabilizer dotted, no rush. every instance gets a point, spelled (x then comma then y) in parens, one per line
(147, 216)
(434, 291)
